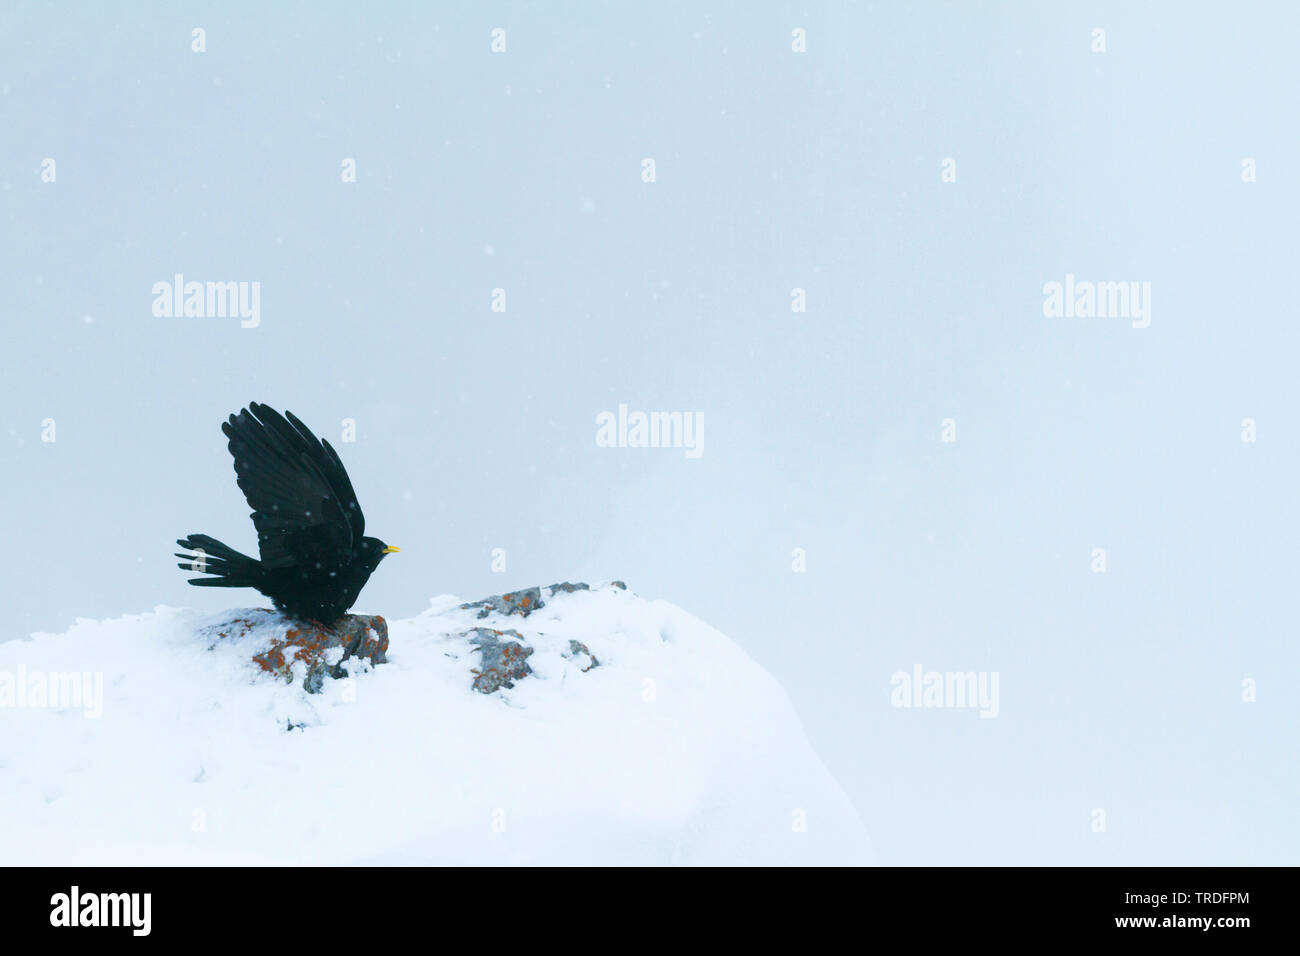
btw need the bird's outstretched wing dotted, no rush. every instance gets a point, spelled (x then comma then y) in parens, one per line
(304, 508)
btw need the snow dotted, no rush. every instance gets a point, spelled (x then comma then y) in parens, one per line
(675, 749)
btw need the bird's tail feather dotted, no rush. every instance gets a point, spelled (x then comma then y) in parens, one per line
(231, 569)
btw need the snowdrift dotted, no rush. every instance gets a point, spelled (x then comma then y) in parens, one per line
(628, 733)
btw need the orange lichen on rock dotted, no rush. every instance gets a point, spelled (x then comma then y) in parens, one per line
(356, 636)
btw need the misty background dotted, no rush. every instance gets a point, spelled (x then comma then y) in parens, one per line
(775, 170)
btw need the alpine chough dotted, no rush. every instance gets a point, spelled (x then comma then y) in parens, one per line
(315, 557)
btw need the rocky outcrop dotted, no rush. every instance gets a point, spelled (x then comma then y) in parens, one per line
(528, 600)
(309, 652)
(502, 661)
(523, 603)
(315, 651)
(503, 654)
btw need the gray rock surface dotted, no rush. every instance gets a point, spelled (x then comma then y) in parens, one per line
(502, 661)
(504, 653)
(580, 655)
(527, 600)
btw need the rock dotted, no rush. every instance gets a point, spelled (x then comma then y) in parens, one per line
(322, 649)
(523, 603)
(579, 654)
(567, 588)
(503, 662)
(528, 600)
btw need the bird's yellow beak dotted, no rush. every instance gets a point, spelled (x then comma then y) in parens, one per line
(390, 549)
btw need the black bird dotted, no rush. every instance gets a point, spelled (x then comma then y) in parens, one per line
(310, 530)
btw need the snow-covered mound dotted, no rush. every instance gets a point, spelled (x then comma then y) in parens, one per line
(674, 747)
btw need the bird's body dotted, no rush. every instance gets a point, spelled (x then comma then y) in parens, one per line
(314, 555)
